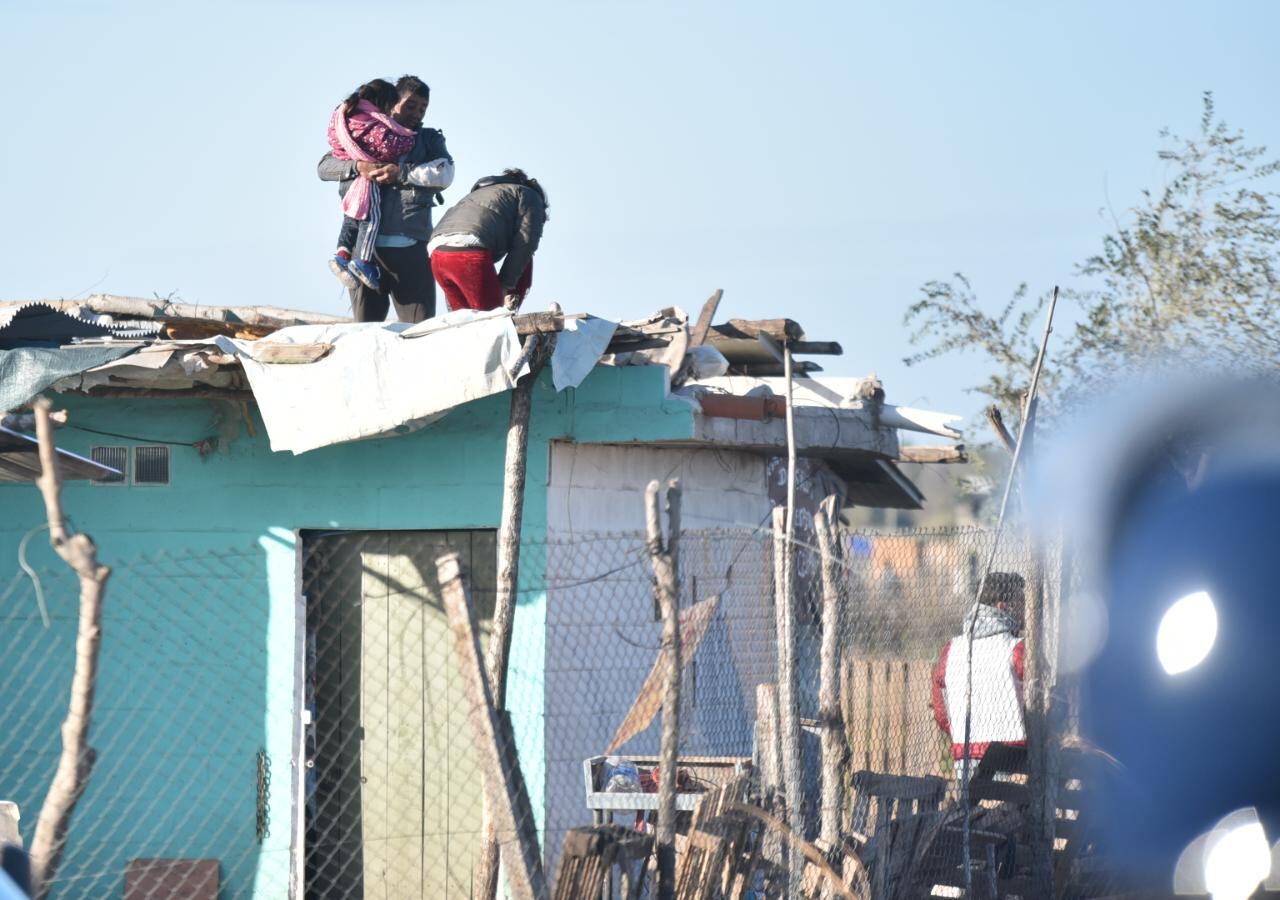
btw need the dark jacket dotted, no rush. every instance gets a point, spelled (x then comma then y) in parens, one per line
(506, 217)
(406, 207)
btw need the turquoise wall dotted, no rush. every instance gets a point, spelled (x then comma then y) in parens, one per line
(199, 632)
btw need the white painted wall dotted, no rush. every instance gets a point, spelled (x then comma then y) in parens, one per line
(602, 636)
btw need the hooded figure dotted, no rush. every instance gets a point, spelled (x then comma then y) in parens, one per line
(995, 714)
(501, 219)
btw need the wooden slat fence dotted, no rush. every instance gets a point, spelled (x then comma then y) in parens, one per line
(888, 717)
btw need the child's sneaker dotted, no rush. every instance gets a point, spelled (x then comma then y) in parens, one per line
(338, 266)
(365, 272)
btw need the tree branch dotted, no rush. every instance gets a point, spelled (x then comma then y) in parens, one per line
(76, 763)
(998, 426)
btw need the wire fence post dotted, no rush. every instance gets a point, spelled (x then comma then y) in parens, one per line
(665, 560)
(1039, 736)
(788, 714)
(829, 715)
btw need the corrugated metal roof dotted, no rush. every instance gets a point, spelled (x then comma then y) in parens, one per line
(20, 460)
(38, 324)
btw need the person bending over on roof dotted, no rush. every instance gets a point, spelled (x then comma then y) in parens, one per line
(362, 129)
(995, 713)
(501, 219)
(409, 190)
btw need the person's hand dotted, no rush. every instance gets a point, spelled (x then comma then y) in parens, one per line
(388, 173)
(512, 301)
(368, 169)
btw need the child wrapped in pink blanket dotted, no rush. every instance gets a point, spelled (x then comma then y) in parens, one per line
(362, 129)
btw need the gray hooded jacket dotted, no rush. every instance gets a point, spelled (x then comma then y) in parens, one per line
(505, 217)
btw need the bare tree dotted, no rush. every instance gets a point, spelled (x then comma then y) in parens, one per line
(76, 763)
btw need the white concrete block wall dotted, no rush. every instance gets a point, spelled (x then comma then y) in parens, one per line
(602, 637)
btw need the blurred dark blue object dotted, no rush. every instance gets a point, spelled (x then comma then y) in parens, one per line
(1202, 743)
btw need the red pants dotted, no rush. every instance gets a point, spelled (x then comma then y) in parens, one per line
(469, 281)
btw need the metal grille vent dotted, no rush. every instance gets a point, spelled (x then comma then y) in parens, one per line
(115, 457)
(150, 465)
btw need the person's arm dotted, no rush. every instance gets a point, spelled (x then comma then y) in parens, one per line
(531, 214)
(333, 169)
(437, 171)
(437, 174)
(940, 691)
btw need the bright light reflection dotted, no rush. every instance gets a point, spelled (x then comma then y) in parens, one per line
(1187, 633)
(1238, 857)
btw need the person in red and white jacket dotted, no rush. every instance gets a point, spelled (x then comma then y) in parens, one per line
(998, 654)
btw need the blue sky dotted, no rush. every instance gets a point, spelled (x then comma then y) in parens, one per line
(816, 160)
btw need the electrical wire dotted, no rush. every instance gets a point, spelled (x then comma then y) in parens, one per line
(134, 437)
(30, 573)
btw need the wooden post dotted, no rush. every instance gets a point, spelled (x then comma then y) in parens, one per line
(770, 752)
(791, 464)
(829, 713)
(504, 611)
(788, 714)
(1040, 784)
(506, 797)
(665, 560)
(76, 762)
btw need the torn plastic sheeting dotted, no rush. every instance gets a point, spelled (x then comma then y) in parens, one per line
(375, 383)
(578, 349)
(27, 371)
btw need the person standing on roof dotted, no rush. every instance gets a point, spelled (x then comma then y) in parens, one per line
(501, 219)
(996, 711)
(409, 190)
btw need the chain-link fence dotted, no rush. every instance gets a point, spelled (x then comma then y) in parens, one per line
(272, 731)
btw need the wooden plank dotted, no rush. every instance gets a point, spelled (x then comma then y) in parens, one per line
(406, 727)
(192, 879)
(860, 728)
(896, 713)
(538, 323)
(954, 454)
(159, 308)
(877, 733)
(198, 393)
(703, 327)
(769, 370)
(1000, 791)
(445, 739)
(287, 354)
(817, 348)
(778, 329)
(182, 328)
(464, 797)
(506, 796)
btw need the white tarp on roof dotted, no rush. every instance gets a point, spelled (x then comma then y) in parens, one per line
(375, 381)
(381, 379)
(578, 349)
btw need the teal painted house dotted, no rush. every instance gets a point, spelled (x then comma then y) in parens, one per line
(203, 618)
(277, 691)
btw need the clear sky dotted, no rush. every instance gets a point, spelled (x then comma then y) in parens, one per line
(819, 161)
